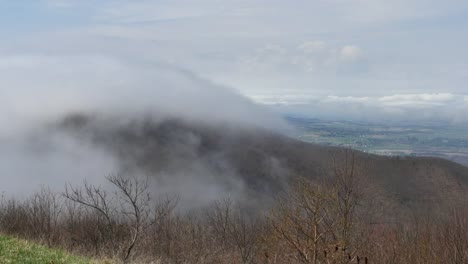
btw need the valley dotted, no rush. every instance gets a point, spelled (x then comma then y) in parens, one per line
(441, 140)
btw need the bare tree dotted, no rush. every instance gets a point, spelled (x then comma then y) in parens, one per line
(130, 205)
(220, 218)
(245, 232)
(303, 220)
(452, 239)
(347, 186)
(98, 200)
(134, 199)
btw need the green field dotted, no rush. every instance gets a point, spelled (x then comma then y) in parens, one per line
(24, 252)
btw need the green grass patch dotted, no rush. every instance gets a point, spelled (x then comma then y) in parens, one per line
(19, 251)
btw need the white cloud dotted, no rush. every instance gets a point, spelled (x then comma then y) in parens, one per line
(40, 90)
(293, 98)
(414, 100)
(351, 53)
(316, 46)
(57, 85)
(310, 57)
(345, 99)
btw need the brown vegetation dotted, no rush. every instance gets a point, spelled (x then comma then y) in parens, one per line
(328, 221)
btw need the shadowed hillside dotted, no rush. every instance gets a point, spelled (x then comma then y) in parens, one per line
(253, 164)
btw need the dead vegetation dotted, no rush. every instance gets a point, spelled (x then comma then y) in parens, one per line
(331, 221)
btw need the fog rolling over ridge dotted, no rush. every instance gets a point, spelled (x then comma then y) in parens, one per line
(44, 143)
(199, 161)
(204, 142)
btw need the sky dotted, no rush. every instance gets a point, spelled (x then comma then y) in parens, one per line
(338, 59)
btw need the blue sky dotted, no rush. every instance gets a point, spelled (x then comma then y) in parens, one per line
(362, 59)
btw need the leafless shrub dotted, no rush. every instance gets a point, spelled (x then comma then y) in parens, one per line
(321, 222)
(13, 217)
(236, 230)
(127, 213)
(43, 212)
(303, 221)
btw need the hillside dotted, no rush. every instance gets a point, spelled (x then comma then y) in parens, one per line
(279, 191)
(253, 164)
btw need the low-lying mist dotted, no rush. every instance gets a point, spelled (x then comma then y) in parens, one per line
(85, 118)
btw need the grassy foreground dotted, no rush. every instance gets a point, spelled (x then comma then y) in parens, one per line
(20, 251)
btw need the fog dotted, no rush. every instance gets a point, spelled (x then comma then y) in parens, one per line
(41, 92)
(123, 63)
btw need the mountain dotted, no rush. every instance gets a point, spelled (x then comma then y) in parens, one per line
(204, 161)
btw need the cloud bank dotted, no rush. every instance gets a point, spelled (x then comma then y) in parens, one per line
(43, 90)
